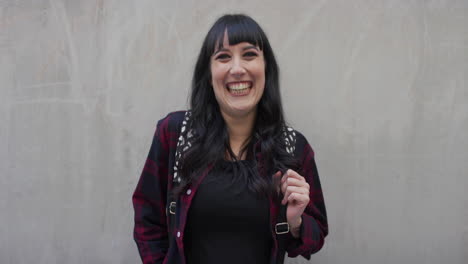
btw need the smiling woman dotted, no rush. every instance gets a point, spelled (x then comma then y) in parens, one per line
(238, 78)
(228, 181)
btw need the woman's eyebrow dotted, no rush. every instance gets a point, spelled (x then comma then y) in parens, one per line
(243, 49)
(220, 50)
(249, 47)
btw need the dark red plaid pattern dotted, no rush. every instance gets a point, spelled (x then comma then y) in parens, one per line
(157, 244)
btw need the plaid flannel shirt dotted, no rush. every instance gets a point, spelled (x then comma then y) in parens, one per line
(157, 243)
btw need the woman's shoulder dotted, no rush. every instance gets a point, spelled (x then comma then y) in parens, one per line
(299, 141)
(173, 120)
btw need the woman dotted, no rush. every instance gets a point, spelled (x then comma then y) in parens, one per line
(228, 181)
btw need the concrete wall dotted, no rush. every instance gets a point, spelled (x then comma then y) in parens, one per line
(378, 87)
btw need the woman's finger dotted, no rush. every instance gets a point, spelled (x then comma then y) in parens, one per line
(277, 177)
(298, 198)
(291, 173)
(277, 174)
(294, 189)
(295, 182)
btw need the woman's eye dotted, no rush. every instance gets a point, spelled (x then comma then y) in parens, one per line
(222, 57)
(250, 54)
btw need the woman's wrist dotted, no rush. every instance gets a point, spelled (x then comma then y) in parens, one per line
(295, 228)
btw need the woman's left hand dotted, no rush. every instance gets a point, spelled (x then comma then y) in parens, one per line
(295, 191)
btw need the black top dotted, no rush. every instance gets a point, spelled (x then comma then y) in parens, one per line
(226, 222)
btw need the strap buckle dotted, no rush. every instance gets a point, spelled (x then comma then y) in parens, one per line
(282, 228)
(172, 207)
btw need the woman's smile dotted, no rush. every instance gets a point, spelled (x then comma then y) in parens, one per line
(239, 88)
(238, 77)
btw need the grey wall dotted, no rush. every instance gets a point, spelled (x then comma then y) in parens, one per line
(378, 87)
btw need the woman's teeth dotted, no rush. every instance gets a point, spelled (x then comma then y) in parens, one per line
(239, 88)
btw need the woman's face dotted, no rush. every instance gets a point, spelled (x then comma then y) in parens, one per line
(238, 77)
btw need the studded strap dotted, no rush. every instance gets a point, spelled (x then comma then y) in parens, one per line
(183, 143)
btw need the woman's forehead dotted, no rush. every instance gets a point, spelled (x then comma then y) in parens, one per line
(225, 43)
(232, 36)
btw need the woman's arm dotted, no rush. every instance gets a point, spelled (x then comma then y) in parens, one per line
(149, 200)
(314, 227)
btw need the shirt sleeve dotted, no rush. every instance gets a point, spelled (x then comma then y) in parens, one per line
(314, 226)
(149, 200)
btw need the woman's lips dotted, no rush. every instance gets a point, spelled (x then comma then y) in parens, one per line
(239, 88)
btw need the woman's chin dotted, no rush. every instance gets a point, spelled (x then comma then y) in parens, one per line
(240, 111)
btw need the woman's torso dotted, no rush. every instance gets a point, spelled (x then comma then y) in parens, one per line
(228, 222)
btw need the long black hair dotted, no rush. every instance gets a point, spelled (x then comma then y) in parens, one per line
(211, 136)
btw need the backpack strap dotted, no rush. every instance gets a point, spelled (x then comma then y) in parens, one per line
(289, 139)
(282, 226)
(183, 144)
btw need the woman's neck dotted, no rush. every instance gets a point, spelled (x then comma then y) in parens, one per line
(239, 129)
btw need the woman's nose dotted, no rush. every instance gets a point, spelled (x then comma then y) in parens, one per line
(237, 68)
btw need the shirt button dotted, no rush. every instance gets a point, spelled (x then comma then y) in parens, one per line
(189, 191)
(178, 234)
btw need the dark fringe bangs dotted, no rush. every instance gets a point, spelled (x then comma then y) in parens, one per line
(238, 30)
